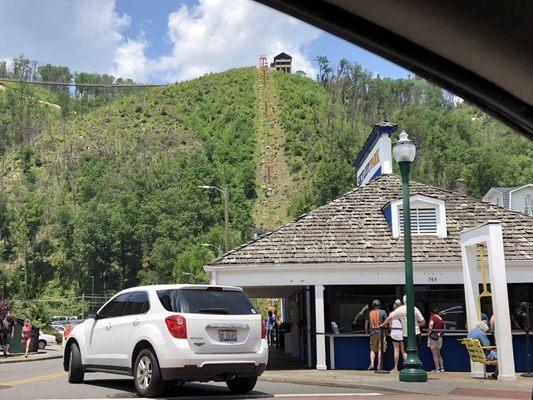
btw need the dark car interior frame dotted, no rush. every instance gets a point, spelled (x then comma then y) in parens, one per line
(484, 93)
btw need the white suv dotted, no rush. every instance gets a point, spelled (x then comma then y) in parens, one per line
(175, 333)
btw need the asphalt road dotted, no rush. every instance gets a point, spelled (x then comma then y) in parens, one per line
(46, 380)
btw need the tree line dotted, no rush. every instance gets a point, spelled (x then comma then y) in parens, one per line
(327, 122)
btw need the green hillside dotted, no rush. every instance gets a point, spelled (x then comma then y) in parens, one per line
(113, 193)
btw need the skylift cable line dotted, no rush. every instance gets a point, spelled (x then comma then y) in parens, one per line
(47, 83)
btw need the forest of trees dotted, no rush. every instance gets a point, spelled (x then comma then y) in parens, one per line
(85, 98)
(327, 124)
(109, 189)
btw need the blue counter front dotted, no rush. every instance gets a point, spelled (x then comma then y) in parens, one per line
(351, 351)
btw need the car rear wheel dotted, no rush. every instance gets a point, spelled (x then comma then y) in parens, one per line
(147, 377)
(42, 344)
(75, 368)
(242, 385)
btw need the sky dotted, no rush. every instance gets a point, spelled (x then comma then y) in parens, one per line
(161, 41)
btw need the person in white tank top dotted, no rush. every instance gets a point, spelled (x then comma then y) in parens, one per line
(397, 338)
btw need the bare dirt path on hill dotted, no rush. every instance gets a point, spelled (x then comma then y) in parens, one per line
(273, 180)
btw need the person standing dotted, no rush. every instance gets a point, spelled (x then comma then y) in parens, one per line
(7, 332)
(401, 314)
(25, 336)
(396, 336)
(435, 339)
(271, 320)
(375, 318)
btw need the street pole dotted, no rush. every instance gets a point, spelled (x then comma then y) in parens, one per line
(412, 371)
(219, 252)
(92, 292)
(226, 220)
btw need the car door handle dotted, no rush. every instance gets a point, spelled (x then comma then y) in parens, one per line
(108, 328)
(135, 323)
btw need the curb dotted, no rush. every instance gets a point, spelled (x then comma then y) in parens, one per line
(341, 384)
(50, 357)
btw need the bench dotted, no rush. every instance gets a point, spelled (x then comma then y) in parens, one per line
(477, 353)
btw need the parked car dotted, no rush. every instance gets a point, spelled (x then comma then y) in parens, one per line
(46, 340)
(59, 319)
(166, 333)
(58, 328)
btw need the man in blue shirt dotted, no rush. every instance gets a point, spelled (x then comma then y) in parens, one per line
(480, 333)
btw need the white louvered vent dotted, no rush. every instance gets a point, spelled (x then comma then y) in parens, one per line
(423, 221)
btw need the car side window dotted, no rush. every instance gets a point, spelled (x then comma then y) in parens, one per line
(138, 303)
(114, 307)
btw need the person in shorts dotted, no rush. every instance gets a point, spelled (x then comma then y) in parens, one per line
(401, 314)
(396, 335)
(435, 339)
(7, 331)
(373, 327)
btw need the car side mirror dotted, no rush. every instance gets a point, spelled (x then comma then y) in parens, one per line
(94, 315)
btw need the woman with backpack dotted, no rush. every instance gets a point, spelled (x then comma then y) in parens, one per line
(435, 339)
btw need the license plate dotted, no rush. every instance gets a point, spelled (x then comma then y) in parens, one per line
(227, 335)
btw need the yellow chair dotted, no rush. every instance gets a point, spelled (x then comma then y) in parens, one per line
(477, 353)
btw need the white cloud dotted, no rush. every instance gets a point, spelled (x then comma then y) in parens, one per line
(84, 35)
(130, 62)
(211, 36)
(215, 35)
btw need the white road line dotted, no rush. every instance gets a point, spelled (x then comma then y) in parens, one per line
(327, 395)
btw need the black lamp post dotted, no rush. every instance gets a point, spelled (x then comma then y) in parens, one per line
(404, 152)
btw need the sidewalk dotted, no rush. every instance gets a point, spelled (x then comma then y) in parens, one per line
(439, 383)
(50, 352)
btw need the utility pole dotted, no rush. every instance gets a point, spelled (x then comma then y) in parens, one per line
(92, 292)
(226, 220)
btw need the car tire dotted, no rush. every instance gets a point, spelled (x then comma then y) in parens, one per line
(147, 376)
(242, 385)
(42, 344)
(75, 367)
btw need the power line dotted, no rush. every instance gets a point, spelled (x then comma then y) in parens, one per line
(43, 83)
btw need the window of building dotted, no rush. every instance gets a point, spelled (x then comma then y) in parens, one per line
(428, 216)
(528, 204)
(423, 221)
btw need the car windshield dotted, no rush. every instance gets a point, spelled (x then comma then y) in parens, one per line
(206, 301)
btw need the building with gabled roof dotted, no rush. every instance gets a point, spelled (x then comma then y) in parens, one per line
(517, 198)
(354, 229)
(330, 263)
(282, 62)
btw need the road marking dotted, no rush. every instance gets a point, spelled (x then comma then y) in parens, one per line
(328, 394)
(34, 379)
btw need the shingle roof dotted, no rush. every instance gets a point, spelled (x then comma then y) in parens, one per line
(282, 56)
(352, 229)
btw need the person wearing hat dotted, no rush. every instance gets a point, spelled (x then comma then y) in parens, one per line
(375, 318)
(396, 336)
(401, 314)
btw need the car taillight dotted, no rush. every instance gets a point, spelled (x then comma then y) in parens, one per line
(177, 326)
(263, 329)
